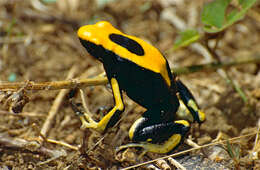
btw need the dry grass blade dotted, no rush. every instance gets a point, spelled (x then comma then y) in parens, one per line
(63, 144)
(56, 104)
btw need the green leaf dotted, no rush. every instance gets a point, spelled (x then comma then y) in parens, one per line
(244, 3)
(213, 13)
(215, 24)
(185, 38)
(232, 15)
(237, 152)
(230, 150)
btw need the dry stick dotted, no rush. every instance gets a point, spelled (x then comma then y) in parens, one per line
(254, 152)
(12, 40)
(192, 149)
(32, 146)
(23, 114)
(162, 164)
(84, 102)
(63, 144)
(56, 104)
(56, 85)
(176, 163)
(191, 143)
(72, 83)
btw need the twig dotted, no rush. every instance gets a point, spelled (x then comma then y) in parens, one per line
(97, 143)
(254, 152)
(162, 164)
(176, 163)
(23, 114)
(84, 102)
(63, 144)
(80, 83)
(12, 40)
(191, 143)
(32, 146)
(56, 104)
(189, 150)
(56, 85)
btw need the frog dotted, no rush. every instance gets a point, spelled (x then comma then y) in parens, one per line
(138, 69)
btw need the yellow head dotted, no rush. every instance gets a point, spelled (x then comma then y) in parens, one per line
(102, 41)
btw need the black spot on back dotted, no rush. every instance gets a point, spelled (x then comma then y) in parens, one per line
(129, 44)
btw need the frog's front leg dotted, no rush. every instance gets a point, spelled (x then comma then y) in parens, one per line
(157, 137)
(111, 117)
(190, 102)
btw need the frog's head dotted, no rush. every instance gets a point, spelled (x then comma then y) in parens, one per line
(92, 37)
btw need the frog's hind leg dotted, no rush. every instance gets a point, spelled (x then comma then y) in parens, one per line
(157, 137)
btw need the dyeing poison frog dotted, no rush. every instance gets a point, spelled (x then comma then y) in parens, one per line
(143, 73)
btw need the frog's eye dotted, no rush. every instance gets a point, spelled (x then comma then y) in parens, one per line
(129, 44)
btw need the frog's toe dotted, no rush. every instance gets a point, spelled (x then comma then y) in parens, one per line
(130, 145)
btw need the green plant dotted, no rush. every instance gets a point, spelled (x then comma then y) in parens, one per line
(215, 18)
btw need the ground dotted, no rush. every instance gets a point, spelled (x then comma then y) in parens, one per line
(38, 42)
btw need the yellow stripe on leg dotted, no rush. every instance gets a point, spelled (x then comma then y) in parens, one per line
(183, 122)
(117, 95)
(119, 105)
(193, 105)
(184, 113)
(134, 126)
